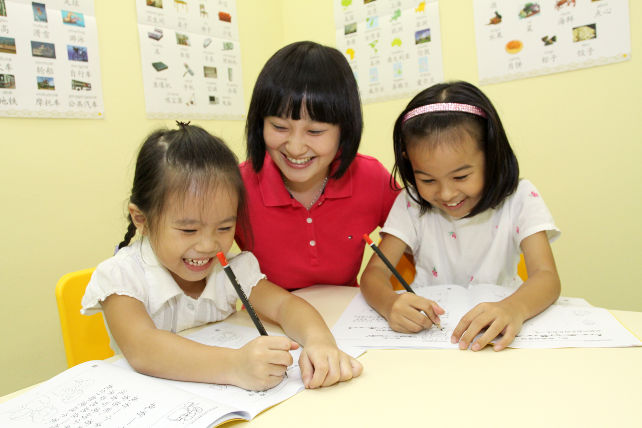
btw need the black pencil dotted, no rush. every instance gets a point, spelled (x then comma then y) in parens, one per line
(394, 271)
(250, 310)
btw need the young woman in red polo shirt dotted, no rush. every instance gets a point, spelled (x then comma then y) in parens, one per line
(311, 196)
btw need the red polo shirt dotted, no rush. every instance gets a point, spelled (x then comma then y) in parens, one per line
(298, 248)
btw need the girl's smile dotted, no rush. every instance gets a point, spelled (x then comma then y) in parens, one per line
(449, 173)
(455, 205)
(198, 265)
(192, 230)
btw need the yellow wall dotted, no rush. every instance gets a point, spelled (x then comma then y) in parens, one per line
(64, 182)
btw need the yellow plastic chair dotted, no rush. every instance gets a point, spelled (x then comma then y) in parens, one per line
(85, 337)
(406, 268)
(521, 268)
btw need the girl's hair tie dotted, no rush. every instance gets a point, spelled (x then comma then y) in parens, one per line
(431, 108)
(182, 125)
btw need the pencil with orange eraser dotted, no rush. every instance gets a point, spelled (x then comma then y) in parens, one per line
(394, 271)
(250, 310)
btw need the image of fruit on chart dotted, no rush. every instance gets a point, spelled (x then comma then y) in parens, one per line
(514, 46)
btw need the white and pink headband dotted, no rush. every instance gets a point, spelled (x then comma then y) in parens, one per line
(431, 108)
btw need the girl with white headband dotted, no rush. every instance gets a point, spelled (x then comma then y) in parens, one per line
(465, 215)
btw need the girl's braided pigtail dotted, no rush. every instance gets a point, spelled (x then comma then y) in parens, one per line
(131, 231)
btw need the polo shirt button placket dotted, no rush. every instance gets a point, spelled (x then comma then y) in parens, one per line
(312, 240)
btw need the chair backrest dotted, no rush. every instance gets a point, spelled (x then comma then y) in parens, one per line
(85, 337)
(521, 268)
(406, 267)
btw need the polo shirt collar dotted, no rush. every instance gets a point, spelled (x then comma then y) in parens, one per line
(163, 287)
(274, 193)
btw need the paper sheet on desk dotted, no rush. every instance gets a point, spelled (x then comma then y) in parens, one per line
(234, 336)
(100, 393)
(569, 323)
(253, 402)
(97, 393)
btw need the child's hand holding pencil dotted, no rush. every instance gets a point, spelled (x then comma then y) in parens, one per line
(262, 363)
(407, 312)
(410, 313)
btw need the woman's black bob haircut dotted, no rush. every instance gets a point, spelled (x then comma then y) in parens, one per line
(501, 172)
(311, 75)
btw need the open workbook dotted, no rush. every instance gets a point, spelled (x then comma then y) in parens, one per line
(570, 322)
(100, 393)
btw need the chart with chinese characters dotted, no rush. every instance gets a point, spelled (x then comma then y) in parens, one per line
(191, 58)
(519, 39)
(49, 63)
(393, 47)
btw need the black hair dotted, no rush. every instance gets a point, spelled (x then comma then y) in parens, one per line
(310, 73)
(501, 171)
(173, 162)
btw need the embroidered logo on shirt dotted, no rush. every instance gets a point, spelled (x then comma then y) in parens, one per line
(453, 235)
(434, 272)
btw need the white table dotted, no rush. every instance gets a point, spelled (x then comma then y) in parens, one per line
(575, 387)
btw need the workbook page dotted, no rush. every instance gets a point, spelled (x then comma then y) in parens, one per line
(233, 336)
(97, 393)
(574, 327)
(569, 323)
(228, 335)
(360, 325)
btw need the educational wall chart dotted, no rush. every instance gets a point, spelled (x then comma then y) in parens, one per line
(191, 58)
(393, 46)
(518, 39)
(49, 64)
